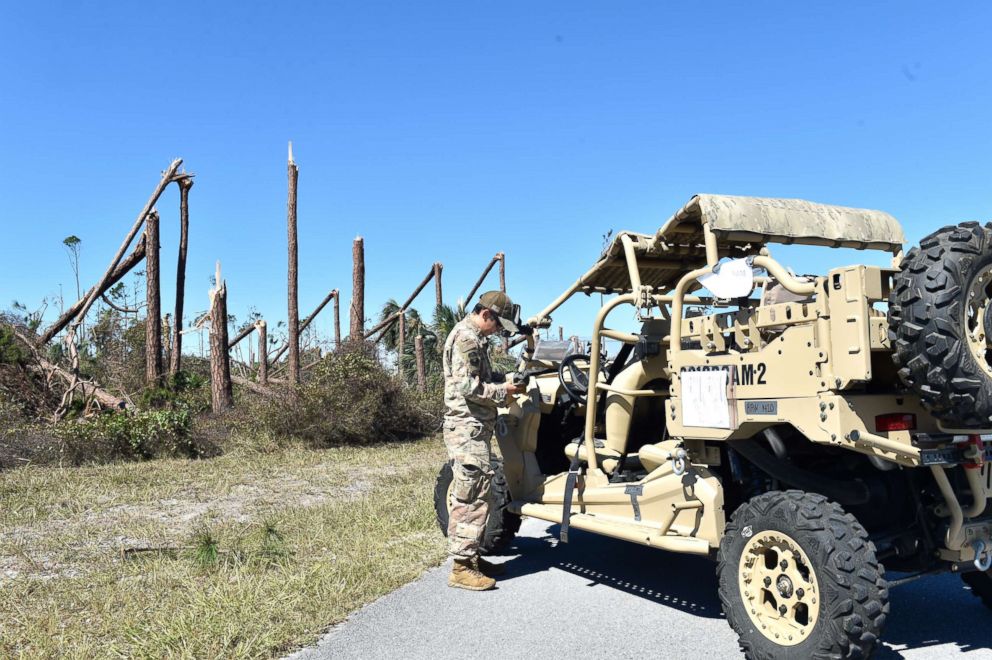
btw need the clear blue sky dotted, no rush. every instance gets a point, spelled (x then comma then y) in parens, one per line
(449, 131)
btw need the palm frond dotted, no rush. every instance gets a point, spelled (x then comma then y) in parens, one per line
(391, 337)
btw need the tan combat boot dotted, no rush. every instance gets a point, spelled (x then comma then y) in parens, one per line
(464, 575)
(488, 568)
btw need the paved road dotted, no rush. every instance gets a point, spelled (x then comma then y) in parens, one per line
(597, 597)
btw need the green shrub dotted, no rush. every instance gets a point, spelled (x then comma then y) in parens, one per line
(11, 413)
(184, 390)
(129, 435)
(11, 352)
(348, 398)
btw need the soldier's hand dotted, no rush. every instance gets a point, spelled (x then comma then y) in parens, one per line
(513, 389)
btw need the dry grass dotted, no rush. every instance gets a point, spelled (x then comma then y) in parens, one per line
(246, 555)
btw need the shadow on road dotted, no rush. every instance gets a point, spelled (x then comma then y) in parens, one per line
(934, 611)
(684, 582)
(930, 612)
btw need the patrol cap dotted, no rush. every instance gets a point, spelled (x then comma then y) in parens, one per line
(500, 304)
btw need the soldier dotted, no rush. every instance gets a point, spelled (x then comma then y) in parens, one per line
(472, 391)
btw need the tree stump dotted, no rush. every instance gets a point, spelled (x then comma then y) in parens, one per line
(176, 356)
(263, 353)
(418, 346)
(221, 392)
(502, 271)
(294, 308)
(167, 338)
(153, 298)
(337, 318)
(401, 340)
(358, 289)
(502, 287)
(438, 299)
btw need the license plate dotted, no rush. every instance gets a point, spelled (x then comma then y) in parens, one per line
(761, 407)
(949, 456)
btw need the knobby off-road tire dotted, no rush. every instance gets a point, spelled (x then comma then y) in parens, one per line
(844, 602)
(502, 525)
(981, 586)
(939, 316)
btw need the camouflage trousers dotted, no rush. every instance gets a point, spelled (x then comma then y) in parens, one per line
(469, 450)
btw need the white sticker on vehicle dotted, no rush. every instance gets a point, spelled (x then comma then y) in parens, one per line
(704, 398)
(733, 279)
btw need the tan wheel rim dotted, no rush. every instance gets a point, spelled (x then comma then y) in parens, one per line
(450, 497)
(779, 587)
(976, 313)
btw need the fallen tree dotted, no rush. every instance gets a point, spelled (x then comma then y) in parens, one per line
(122, 269)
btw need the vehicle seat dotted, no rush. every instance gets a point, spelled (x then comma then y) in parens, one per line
(775, 293)
(606, 458)
(653, 456)
(631, 423)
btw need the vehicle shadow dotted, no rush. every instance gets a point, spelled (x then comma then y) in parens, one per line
(929, 612)
(684, 582)
(935, 611)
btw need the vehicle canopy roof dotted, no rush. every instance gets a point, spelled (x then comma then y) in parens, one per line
(742, 226)
(768, 220)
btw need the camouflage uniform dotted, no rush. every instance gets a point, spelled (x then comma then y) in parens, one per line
(472, 391)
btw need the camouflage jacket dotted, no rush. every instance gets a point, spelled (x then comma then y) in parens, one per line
(472, 390)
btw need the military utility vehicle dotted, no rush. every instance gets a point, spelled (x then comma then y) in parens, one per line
(801, 430)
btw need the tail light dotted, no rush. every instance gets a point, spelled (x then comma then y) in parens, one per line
(895, 422)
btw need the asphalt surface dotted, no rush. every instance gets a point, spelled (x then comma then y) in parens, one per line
(601, 598)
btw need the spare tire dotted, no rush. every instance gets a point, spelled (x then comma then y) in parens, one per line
(940, 321)
(502, 525)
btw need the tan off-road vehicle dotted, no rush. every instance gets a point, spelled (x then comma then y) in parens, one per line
(801, 430)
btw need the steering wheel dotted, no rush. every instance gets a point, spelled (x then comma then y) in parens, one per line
(577, 386)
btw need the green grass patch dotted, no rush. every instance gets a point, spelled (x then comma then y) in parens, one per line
(248, 555)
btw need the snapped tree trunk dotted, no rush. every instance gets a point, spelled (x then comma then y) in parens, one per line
(482, 278)
(167, 339)
(222, 397)
(176, 358)
(381, 330)
(358, 289)
(502, 271)
(401, 343)
(89, 389)
(241, 335)
(294, 307)
(167, 177)
(337, 318)
(263, 353)
(153, 298)
(398, 314)
(123, 268)
(254, 387)
(502, 287)
(438, 299)
(416, 292)
(304, 325)
(384, 325)
(418, 347)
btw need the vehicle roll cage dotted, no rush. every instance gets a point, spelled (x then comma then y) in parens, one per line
(666, 259)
